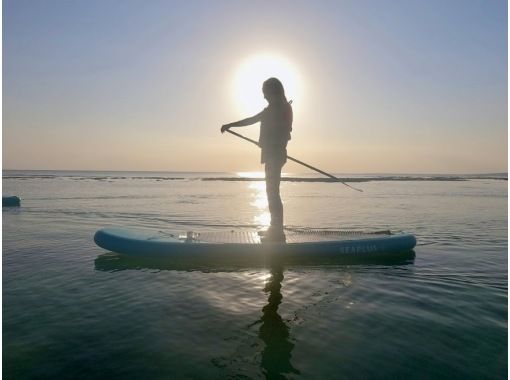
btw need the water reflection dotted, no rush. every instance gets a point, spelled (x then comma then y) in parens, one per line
(274, 332)
(112, 262)
(258, 191)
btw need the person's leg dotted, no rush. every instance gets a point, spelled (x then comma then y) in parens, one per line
(273, 171)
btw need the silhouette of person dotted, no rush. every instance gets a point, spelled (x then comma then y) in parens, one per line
(275, 128)
(274, 332)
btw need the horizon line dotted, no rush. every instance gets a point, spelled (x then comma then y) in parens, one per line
(256, 171)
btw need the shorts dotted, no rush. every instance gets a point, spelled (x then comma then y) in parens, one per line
(274, 153)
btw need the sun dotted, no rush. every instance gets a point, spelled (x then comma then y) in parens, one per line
(252, 72)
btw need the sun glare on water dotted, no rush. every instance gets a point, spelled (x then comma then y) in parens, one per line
(251, 174)
(247, 85)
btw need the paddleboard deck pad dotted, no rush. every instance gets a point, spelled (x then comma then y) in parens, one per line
(247, 245)
(10, 201)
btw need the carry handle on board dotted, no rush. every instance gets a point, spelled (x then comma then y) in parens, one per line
(297, 161)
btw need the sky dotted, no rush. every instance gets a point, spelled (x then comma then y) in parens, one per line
(378, 86)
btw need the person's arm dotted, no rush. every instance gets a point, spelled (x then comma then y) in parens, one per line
(242, 123)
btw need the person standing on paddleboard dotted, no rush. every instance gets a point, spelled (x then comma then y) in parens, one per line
(275, 128)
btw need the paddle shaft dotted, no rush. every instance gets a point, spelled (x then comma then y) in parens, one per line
(296, 160)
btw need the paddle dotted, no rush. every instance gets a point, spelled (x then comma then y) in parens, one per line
(297, 161)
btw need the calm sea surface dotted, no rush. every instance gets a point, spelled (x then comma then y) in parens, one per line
(72, 310)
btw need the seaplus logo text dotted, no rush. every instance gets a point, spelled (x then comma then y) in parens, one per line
(358, 249)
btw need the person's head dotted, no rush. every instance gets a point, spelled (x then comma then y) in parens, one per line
(273, 90)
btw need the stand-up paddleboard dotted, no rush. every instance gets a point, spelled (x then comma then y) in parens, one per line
(10, 200)
(301, 244)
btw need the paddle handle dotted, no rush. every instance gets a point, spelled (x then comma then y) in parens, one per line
(297, 161)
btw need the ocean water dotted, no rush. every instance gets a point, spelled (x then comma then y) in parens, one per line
(74, 311)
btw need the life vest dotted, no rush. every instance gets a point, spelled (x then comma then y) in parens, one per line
(276, 124)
